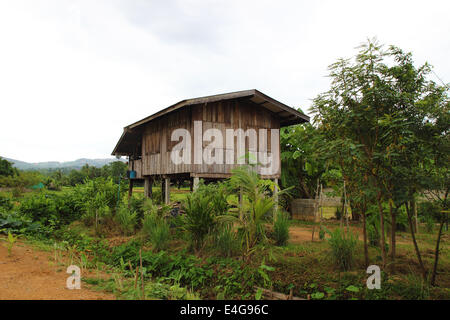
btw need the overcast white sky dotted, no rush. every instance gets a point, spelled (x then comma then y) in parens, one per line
(74, 73)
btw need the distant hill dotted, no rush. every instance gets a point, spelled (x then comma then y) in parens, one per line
(21, 165)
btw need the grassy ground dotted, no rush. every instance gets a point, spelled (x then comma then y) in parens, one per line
(175, 193)
(305, 266)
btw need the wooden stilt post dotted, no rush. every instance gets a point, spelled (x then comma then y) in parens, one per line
(275, 193)
(196, 182)
(166, 190)
(130, 189)
(148, 184)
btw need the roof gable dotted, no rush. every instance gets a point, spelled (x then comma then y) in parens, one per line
(287, 115)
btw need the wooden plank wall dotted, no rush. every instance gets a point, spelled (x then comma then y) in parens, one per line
(222, 115)
(136, 165)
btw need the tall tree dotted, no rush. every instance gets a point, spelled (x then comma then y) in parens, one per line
(301, 166)
(382, 105)
(6, 168)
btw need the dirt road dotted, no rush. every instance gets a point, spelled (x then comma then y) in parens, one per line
(28, 275)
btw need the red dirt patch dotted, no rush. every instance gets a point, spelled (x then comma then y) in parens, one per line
(27, 275)
(300, 234)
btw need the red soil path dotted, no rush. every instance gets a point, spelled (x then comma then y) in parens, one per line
(28, 275)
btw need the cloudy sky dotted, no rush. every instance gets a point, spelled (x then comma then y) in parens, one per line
(74, 73)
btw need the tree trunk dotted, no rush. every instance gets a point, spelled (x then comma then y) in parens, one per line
(305, 188)
(366, 249)
(436, 252)
(393, 213)
(410, 211)
(415, 217)
(342, 210)
(356, 215)
(382, 238)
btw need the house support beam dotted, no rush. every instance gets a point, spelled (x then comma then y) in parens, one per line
(196, 182)
(130, 189)
(275, 193)
(148, 183)
(166, 190)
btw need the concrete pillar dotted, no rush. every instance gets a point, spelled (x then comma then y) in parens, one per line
(148, 184)
(196, 182)
(166, 190)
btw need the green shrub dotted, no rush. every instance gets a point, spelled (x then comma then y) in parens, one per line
(18, 224)
(226, 242)
(157, 230)
(322, 233)
(373, 236)
(227, 277)
(429, 209)
(49, 208)
(343, 247)
(21, 180)
(338, 213)
(39, 207)
(414, 287)
(157, 196)
(217, 194)
(256, 208)
(17, 192)
(374, 229)
(95, 216)
(281, 228)
(126, 219)
(6, 203)
(136, 204)
(100, 189)
(429, 223)
(200, 219)
(159, 290)
(401, 220)
(67, 207)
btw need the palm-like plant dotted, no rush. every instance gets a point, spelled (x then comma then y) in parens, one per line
(254, 206)
(200, 218)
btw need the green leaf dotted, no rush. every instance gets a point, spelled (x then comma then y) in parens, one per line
(329, 290)
(352, 288)
(317, 295)
(258, 294)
